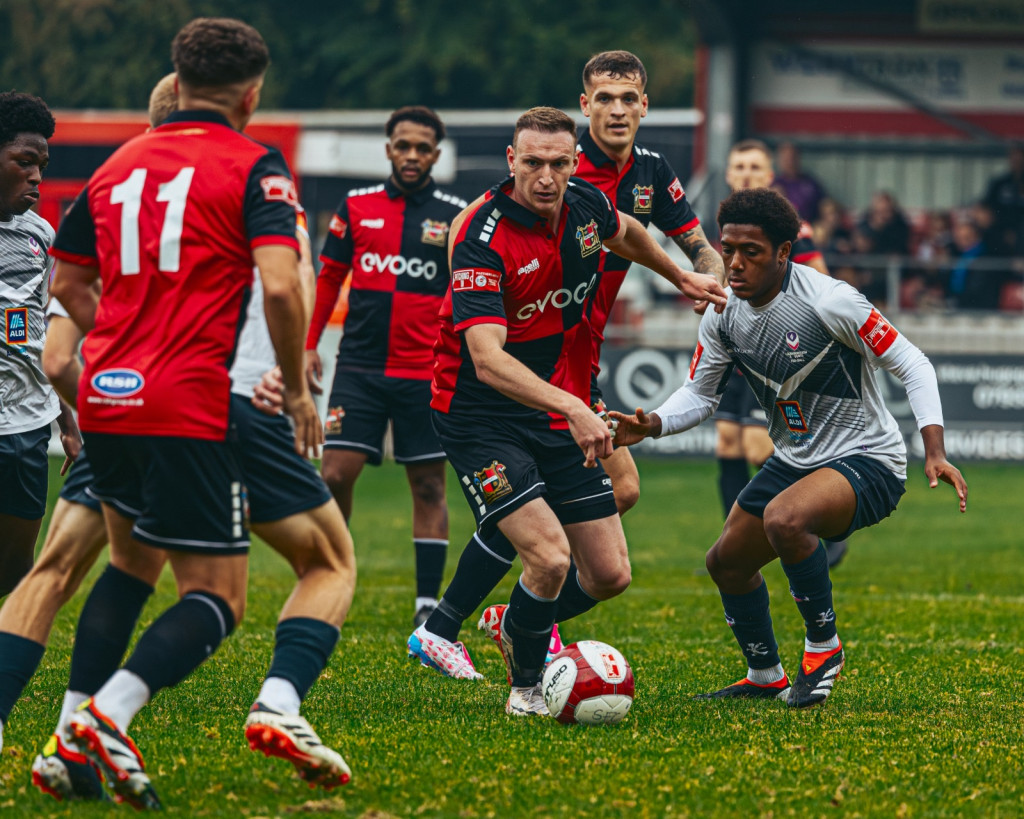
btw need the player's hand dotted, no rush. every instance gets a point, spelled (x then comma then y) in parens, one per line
(591, 434)
(939, 469)
(309, 432)
(702, 287)
(700, 307)
(314, 372)
(631, 429)
(71, 441)
(268, 395)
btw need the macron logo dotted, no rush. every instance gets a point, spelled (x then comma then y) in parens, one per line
(373, 224)
(534, 265)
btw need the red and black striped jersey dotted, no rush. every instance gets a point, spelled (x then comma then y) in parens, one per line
(508, 268)
(395, 245)
(648, 189)
(171, 220)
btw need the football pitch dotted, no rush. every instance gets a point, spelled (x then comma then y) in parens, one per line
(926, 720)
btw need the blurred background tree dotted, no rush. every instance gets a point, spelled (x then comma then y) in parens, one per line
(350, 54)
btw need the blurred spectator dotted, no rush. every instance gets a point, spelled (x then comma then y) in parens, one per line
(936, 244)
(973, 287)
(802, 190)
(924, 287)
(1005, 198)
(831, 230)
(884, 227)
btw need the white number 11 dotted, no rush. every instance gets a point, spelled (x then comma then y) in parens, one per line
(129, 195)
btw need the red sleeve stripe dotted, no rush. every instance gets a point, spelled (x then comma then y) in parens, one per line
(465, 325)
(287, 241)
(695, 222)
(74, 258)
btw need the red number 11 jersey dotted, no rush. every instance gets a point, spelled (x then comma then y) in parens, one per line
(171, 220)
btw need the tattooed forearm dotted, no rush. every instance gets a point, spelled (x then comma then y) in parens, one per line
(698, 250)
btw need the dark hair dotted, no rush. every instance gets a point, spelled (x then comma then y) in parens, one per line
(419, 114)
(547, 120)
(752, 145)
(763, 208)
(616, 64)
(210, 52)
(23, 114)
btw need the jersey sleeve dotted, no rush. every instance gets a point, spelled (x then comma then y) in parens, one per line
(672, 212)
(478, 274)
(76, 238)
(854, 321)
(271, 203)
(338, 245)
(711, 363)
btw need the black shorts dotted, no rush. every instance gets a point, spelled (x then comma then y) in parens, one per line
(369, 401)
(739, 404)
(502, 466)
(79, 479)
(279, 481)
(878, 490)
(25, 468)
(184, 494)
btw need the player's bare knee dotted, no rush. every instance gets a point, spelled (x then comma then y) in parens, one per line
(627, 496)
(428, 489)
(783, 526)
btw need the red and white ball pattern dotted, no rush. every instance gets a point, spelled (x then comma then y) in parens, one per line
(589, 683)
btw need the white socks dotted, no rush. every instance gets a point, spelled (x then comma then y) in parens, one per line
(766, 676)
(122, 697)
(821, 648)
(280, 694)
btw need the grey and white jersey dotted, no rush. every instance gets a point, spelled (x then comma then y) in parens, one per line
(809, 356)
(27, 401)
(254, 354)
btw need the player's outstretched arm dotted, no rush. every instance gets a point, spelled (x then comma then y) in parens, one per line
(705, 259)
(511, 377)
(633, 242)
(632, 429)
(937, 468)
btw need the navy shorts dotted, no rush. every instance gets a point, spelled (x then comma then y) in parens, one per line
(369, 401)
(878, 490)
(739, 404)
(25, 468)
(503, 465)
(279, 481)
(184, 494)
(79, 479)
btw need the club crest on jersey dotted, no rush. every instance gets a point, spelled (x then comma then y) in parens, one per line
(877, 333)
(16, 325)
(492, 482)
(792, 340)
(332, 423)
(33, 245)
(338, 226)
(588, 238)
(279, 189)
(675, 190)
(643, 198)
(119, 383)
(434, 233)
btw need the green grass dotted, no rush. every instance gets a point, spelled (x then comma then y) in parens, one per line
(926, 721)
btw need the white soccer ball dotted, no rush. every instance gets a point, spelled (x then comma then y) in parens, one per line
(589, 683)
